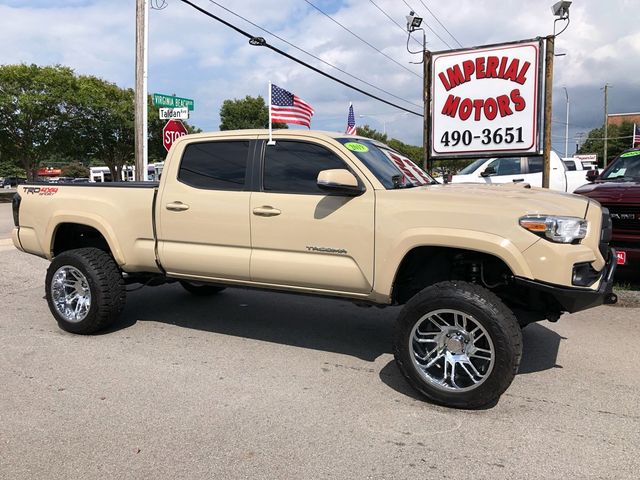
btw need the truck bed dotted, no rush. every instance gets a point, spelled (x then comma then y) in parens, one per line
(122, 207)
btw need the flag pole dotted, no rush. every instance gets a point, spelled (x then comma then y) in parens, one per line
(633, 136)
(270, 142)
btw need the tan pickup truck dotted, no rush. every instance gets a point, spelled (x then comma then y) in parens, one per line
(338, 216)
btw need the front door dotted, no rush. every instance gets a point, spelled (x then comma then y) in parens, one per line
(300, 235)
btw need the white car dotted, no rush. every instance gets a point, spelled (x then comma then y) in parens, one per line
(521, 169)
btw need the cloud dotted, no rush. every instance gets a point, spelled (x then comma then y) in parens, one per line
(197, 57)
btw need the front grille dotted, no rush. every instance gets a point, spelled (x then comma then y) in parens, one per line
(605, 233)
(625, 217)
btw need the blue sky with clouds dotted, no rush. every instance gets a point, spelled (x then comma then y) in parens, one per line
(195, 57)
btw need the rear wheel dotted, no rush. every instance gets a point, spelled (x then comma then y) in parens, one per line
(200, 289)
(458, 344)
(85, 290)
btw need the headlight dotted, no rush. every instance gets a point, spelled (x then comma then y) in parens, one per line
(556, 229)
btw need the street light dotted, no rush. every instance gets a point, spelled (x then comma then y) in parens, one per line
(566, 127)
(413, 24)
(384, 122)
(560, 10)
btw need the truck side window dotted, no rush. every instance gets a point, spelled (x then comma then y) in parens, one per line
(215, 165)
(506, 166)
(293, 167)
(535, 164)
(570, 165)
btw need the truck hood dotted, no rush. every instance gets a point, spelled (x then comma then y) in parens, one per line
(612, 192)
(500, 199)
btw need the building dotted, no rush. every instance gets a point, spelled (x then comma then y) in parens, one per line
(618, 118)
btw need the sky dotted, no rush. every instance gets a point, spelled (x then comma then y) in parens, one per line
(194, 56)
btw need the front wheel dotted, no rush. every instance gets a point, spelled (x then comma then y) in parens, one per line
(458, 344)
(85, 290)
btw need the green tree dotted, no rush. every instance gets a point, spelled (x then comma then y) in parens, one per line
(36, 108)
(250, 112)
(367, 131)
(619, 139)
(75, 170)
(104, 124)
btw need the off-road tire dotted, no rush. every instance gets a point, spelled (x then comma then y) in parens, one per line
(106, 285)
(485, 308)
(200, 289)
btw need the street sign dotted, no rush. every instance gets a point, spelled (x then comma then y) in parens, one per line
(177, 113)
(486, 101)
(173, 130)
(171, 101)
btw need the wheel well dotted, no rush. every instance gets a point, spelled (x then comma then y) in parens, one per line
(69, 236)
(424, 266)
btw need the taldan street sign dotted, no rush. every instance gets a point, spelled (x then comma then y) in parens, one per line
(173, 130)
(171, 101)
(177, 113)
(486, 101)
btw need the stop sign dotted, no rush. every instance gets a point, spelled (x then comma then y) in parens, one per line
(173, 130)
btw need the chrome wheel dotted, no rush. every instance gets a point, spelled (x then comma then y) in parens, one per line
(71, 294)
(451, 350)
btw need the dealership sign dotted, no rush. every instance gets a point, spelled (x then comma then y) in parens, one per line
(486, 101)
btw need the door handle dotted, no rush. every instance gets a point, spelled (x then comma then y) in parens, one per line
(177, 206)
(516, 180)
(266, 211)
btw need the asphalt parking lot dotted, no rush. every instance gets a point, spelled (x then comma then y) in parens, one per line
(259, 385)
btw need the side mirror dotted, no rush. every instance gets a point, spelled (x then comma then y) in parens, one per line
(488, 171)
(592, 175)
(340, 182)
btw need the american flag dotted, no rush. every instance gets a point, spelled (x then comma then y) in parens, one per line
(636, 135)
(289, 108)
(410, 170)
(351, 122)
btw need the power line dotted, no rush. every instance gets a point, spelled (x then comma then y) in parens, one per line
(312, 55)
(429, 27)
(437, 20)
(404, 30)
(362, 39)
(259, 41)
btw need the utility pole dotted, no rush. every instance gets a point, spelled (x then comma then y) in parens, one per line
(142, 62)
(426, 64)
(548, 87)
(606, 121)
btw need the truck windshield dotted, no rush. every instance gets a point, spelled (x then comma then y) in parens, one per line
(625, 167)
(472, 167)
(393, 169)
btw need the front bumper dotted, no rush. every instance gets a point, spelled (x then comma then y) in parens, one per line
(575, 299)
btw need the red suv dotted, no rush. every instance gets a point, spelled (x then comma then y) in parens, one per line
(618, 189)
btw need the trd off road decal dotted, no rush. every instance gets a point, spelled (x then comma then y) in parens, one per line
(41, 190)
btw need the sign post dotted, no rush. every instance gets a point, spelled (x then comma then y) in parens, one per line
(173, 130)
(486, 101)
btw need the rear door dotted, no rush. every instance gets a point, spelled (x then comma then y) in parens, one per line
(203, 210)
(302, 236)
